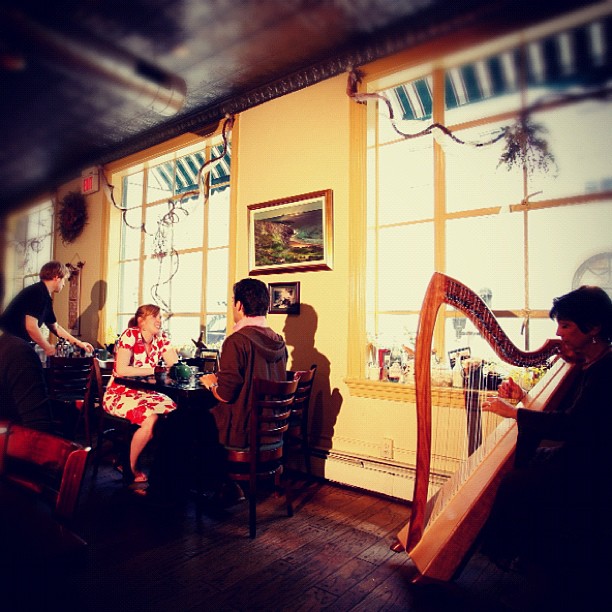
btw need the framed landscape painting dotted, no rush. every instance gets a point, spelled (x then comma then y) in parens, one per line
(292, 234)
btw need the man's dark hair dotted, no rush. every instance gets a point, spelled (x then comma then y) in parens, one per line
(588, 307)
(254, 296)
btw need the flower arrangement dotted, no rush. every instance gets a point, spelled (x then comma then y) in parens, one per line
(527, 378)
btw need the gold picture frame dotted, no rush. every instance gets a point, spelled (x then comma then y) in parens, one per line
(292, 234)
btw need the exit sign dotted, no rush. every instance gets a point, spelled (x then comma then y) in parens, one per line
(90, 181)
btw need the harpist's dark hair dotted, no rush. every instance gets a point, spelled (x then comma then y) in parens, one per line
(254, 296)
(587, 307)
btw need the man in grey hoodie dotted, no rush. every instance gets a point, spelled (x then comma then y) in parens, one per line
(252, 350)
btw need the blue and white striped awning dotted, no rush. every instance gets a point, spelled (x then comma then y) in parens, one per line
(187, 169)
(580, 56)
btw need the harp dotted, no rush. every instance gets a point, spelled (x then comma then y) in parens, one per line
(444, 523)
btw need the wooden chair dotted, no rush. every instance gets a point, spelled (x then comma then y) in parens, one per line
(297, 434)
(69, 380)
(40, 483)
(44, 465)
(263, 459)
(115, 430)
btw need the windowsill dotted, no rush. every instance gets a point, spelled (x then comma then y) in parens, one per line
(398, 392)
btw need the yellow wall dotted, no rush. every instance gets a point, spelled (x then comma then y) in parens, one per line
(89, 249)
(289, 146)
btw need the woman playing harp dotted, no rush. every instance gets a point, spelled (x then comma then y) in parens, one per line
(454, 488)
(553, 508)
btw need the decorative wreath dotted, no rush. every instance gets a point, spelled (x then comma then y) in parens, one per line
(72, 216)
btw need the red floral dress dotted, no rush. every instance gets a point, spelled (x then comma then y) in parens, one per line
(136, 405)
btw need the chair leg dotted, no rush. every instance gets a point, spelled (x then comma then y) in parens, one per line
(252, 509)
(283, 487)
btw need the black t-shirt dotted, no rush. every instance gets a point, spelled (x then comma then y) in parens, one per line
(34, 301)
(23, 390)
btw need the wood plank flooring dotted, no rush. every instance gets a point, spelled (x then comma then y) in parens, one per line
(333, 554)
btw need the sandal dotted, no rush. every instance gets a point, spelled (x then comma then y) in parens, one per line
(137, 477)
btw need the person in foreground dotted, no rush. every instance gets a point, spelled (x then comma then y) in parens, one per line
(137, 351)
(33, 306)
(552, 510)
(253, 350)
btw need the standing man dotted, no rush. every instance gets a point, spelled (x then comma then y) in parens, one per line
(23, 392)
(33, 306)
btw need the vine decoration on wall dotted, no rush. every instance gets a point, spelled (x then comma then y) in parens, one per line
(525, 144)
(72, 216)
(177, 209)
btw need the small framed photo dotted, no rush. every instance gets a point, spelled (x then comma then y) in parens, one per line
(284, 298)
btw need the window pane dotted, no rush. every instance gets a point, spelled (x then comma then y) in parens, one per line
(182, 330)
(128, 287)
(394, 329)
(406, 181)
(156, 280)
(130, 236)
(483, 88)
(160, 182)
(560, 240)
(487, 252)
(158, 237)
(187, 169)
(218, 218)
(188, 226)
(578, 137)
(474, 179)
(187, 284)
(132, 189)
(215, 330)
(216, 280)
(479, 347)
(405, 266)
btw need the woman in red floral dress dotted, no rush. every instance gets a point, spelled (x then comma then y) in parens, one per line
(137, 352)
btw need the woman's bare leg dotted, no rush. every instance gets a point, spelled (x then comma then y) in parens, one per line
(140, 439)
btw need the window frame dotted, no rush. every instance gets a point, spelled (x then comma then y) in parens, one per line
(145, 161)
(363, 118)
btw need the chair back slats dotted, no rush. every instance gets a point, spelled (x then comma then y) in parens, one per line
(298, 423)
(45, 464)
(69, 380)
(271, 403)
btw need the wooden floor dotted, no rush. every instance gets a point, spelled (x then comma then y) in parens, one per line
(332, 554)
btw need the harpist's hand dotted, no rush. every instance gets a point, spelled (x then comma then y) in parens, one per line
(499, 406)
(510, 390)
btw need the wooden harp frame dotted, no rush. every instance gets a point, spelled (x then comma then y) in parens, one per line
(438, 550)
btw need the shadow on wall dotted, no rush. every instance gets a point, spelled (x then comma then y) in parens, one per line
(300, 331)
(90, 317)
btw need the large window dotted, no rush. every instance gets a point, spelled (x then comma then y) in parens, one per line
(174, 242)
(30, 246)
(516, 233)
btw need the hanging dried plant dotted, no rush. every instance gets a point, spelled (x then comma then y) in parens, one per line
(72, 216)
(526, 147)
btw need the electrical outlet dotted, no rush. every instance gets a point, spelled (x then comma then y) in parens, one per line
(386, 449)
